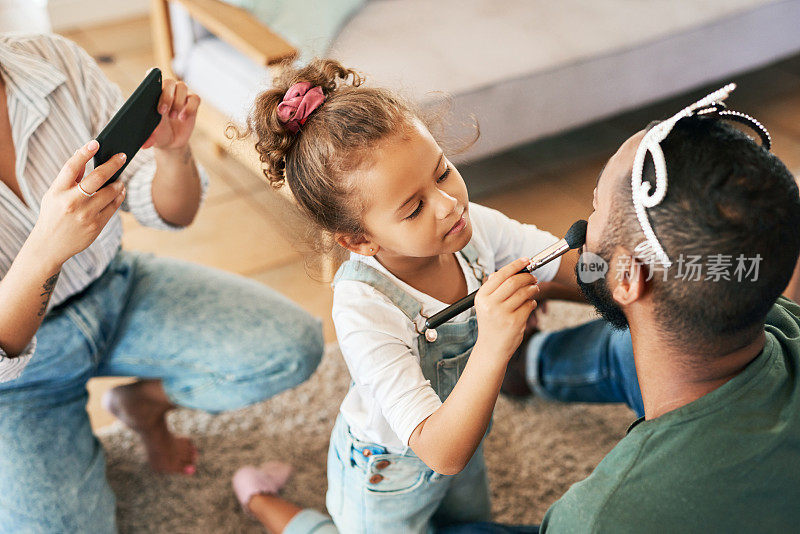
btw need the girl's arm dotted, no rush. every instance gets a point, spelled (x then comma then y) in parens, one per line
(448, 438)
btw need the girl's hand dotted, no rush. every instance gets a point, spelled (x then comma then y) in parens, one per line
(68, 220)
(503, 305)
(178, 109)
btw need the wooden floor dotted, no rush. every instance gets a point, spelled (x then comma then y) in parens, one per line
(548, 183)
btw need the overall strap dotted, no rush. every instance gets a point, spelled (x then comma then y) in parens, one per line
(361, 272)
(470, 253)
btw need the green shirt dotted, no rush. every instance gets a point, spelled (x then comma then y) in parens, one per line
(727, 462)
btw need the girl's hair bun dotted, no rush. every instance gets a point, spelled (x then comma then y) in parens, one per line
(273, 139)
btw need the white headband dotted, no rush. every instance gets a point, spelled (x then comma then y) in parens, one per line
(642, 199)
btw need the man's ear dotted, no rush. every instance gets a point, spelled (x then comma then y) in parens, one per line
(358, 244)
(631, 281)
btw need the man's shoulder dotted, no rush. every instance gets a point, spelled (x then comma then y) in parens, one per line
(668, 474)
(585, 505)
(783, 323)
(633, 489)
(785, 315)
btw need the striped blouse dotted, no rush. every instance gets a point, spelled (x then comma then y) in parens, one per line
(58, 99)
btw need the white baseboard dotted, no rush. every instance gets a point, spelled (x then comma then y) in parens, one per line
(72, 14)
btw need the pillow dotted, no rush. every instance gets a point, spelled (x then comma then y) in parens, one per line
(309, 25)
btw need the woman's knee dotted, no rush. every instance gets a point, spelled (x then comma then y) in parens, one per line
(313, 346)
(302, 349)
(273, 365)
(292, 335)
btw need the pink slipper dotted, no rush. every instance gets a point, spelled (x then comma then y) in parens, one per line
(267, 479)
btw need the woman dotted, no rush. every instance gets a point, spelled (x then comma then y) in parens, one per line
(73, 305)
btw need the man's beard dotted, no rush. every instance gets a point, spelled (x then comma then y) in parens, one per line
(599, 295)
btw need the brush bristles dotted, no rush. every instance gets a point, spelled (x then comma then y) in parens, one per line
(576, 235)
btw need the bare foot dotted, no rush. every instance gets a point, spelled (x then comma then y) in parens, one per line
(143, 407)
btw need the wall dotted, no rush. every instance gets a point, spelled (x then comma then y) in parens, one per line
(71, 14)
(24, 16)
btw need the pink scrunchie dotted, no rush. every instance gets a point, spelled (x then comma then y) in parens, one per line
(298, 103)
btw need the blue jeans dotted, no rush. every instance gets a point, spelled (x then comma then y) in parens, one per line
(409, 496)
(373, 491)
(217, 341)
(591, 362)
(489, 528)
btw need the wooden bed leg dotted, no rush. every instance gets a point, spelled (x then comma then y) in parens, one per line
(162, 35)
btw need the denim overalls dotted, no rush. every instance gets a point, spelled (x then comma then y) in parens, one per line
(373, 491)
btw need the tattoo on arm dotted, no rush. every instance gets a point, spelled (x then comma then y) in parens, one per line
(48, 287)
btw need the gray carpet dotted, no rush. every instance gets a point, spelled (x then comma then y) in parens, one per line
(535, 452)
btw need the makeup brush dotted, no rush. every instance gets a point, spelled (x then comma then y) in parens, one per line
(575, 238)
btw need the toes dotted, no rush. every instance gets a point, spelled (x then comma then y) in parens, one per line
(190, 457)
(173, 455)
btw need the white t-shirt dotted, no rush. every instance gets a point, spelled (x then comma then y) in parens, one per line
(390, 396)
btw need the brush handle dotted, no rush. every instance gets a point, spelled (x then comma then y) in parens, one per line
(543, 258)
(451, 311)
(574, 239)
(456, 308)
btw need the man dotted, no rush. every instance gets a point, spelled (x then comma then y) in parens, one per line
(716, 353)
(74, 306)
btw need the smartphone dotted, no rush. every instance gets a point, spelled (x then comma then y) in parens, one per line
(132, 125)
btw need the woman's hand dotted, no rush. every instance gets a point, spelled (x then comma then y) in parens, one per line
(176, 189)
(178, 109)
(503, 305)
(69, 221)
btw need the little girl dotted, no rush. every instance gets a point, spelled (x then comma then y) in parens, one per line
(405, 452)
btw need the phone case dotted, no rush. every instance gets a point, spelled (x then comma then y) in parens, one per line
(132, 125)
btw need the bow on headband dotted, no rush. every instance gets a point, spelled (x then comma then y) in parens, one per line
(651, 142)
